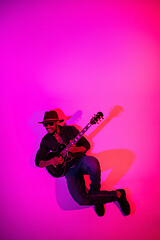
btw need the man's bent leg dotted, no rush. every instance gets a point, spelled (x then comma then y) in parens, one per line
(90, 165)
(77, 191)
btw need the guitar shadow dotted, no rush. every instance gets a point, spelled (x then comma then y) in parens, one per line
(114, 165)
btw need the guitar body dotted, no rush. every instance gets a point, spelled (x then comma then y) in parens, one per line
(59, 170)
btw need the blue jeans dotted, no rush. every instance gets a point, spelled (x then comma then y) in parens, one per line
(88, 165)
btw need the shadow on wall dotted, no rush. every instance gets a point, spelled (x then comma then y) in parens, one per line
(116, 161)
(119, 160)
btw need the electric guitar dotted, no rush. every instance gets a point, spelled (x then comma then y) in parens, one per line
(63, 150)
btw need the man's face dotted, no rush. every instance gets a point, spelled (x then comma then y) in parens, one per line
(51, 126)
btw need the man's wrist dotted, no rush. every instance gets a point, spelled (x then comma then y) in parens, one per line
(81, 149)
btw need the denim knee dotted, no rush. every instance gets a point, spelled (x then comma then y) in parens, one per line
(92, 163)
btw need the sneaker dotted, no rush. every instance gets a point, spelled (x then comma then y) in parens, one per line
(123, 203)
(99, 209)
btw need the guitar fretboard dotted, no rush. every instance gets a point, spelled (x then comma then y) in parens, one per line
(75, 140)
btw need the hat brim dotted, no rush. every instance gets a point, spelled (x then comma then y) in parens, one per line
(50, 120)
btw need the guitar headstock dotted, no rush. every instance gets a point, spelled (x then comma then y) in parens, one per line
(96, 118)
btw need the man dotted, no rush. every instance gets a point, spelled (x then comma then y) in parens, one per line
(79, 166)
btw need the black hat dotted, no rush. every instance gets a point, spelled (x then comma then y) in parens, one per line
(51, 116)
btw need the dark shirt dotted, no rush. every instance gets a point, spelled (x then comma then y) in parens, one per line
(49, 143)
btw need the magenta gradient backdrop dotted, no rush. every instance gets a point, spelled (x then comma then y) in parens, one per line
(81, 57)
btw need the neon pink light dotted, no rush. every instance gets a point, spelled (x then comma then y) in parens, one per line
(81, 58)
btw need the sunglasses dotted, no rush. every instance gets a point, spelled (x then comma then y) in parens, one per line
(48, 123)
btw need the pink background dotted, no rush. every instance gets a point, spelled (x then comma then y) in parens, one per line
(80, 57)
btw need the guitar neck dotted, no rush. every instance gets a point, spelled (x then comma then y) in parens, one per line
(76, 139)
(80, 134)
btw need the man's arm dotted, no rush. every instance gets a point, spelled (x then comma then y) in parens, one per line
(53, 161)
(59, 160)
(75, 149)
(43, 150)
(82, 145)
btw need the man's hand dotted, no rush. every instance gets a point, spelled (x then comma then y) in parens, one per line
(57, 160)
(74, 149)
(53, 161)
